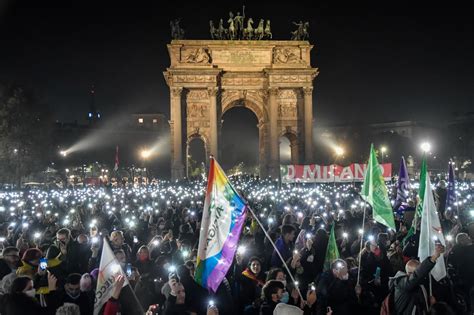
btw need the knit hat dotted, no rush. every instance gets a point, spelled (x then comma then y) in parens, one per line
(32, 254)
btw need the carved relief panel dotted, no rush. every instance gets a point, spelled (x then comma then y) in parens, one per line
(197, 107)
(287, 104)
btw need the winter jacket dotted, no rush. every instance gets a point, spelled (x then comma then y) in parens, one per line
(408, 292)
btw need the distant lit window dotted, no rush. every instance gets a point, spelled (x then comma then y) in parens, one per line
(155, 121)
(140, 120)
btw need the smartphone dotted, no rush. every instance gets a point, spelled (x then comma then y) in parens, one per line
(43, 264)
(129, 269)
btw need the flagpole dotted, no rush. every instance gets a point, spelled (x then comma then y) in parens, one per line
(361, 243)
(275, 248)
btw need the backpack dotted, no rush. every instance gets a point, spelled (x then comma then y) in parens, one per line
(388, 304)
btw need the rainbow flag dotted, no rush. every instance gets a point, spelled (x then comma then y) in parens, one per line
(222, 220)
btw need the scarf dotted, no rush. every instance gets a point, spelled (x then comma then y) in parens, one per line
(249, 274)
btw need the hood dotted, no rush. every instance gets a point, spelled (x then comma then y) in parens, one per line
(396, 278)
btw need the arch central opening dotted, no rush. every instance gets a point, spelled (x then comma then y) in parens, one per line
(239, 140)
(195, 157)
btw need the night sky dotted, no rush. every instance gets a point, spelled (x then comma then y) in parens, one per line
(376, 63)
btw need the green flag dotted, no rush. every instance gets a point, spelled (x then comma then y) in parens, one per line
(421, 194)
(375, 193)
(421, 190)
(332, 253)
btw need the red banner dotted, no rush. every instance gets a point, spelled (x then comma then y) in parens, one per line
(314, 173)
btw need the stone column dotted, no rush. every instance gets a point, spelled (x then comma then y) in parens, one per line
(177, 167)
(274, 167)
(213, 145)
(308, 124)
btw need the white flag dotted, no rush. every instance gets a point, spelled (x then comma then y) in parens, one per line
(109, 270)
(430, 232)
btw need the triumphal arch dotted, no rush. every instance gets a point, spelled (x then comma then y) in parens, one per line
(274, 79)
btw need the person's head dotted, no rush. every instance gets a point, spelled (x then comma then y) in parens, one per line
(255, 265)
(68, 309)
(288, 233)
(32, 256)
(351, 263)
(289, 219)
(82, 239)
(383, 240)
(442, 184)
(305, 223)
(116, 237)
(273, 290)
(121, 257)
(143, 253)
(72, 285)
(277, 274)
(11, 255)
(23, 285)
(63, 236)
(180, 293)
(86, 282)
(190, 265)
(463, 239)
(411, 266)
(339, 269)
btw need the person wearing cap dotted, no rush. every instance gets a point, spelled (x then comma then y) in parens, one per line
(72, 294)
(30, 263)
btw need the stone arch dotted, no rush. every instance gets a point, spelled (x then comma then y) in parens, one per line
(295, 146)
(255, 106)
(190, 138)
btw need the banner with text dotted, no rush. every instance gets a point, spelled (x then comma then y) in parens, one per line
(314, 173)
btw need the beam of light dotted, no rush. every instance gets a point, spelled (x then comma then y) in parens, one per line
(285, 150)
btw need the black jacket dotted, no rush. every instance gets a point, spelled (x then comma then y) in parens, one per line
(19, 303)
(407, 291)
(336, 293)
(4, 268)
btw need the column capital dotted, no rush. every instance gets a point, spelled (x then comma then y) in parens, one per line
(176, 91)
(307, 90)
(212, 91)
(273, 91)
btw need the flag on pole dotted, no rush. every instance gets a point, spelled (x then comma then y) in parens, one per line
(403, 185)
(451, 195)
(421, 195)
(116, 166)
(431, 232)
(222, 220)
(375, 192)
(421, 190)
(332, 253)
(109, 270)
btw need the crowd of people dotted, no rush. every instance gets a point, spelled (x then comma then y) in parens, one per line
(52, 243)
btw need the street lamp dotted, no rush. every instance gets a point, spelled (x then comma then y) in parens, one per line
(63, 153)
(145, 154)
(425, 147)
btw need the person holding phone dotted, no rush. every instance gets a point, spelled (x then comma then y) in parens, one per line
(30, 263)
